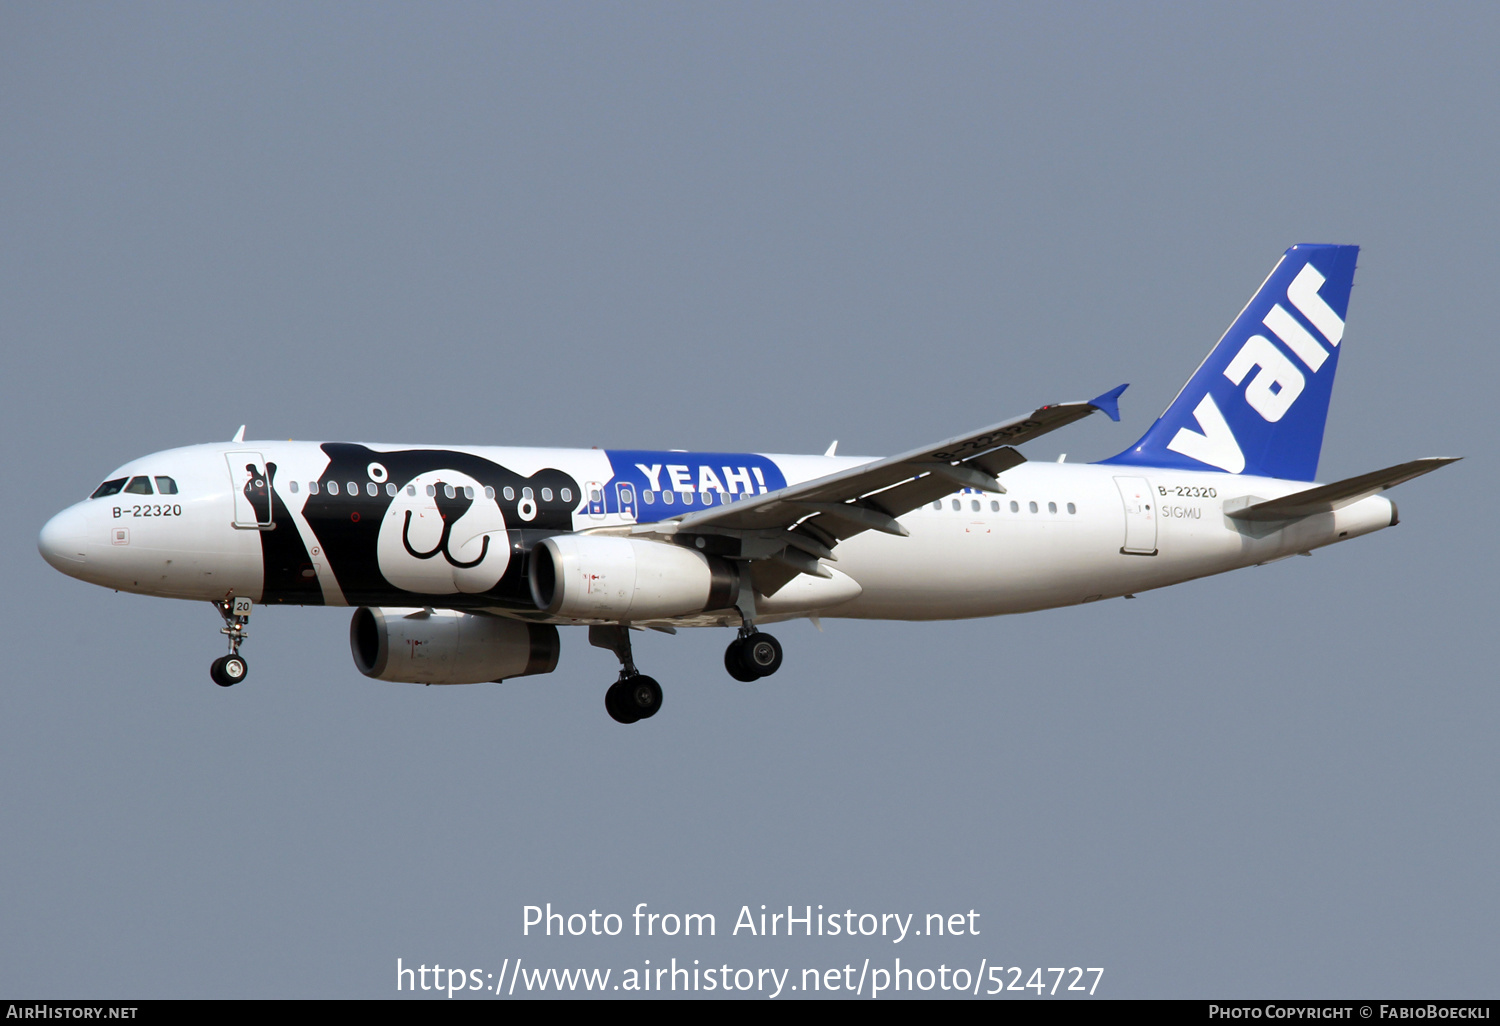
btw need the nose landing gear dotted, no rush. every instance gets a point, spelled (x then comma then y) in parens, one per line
(230, 669)
(227, 670)
(634, 696)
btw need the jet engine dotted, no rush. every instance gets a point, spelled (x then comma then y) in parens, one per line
(602, 577)
(444, 646)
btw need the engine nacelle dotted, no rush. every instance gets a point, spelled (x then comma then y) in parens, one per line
(444, 646)
(603, 577)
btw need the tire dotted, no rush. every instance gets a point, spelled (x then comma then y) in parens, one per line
(762, 654)
(734, 662)
(616, 704)
(228, 670)
(643, 694)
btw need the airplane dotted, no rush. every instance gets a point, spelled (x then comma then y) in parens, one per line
(462, 562)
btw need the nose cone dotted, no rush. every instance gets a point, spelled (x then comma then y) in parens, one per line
(64, 541)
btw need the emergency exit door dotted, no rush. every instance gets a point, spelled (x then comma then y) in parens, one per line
(1140, 516)
(251, 485)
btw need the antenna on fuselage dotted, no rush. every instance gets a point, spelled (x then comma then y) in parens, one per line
(832, 449)
(239, 436)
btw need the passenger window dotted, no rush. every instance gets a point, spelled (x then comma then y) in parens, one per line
(1033, 506)
(666, 498)
(510, 494)
(333, 487)
(371, 488)
(139, 486)
(166, 486)
(957, 504)
(994, 507)
(390, 488)
(449, 492)
(1072, 508)
(1015, 507)
(468, 491)
(432, 491)
(974, 505)
(1051, 507)
(566, 495)
(312, 488)
(411, 489)
(353, 488)
(489, 493)
(526, 493)
(648, 497)
(546, 494)
(108, 488)
(290, 484)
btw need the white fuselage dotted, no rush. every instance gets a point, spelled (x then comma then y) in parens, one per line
(1060, 534)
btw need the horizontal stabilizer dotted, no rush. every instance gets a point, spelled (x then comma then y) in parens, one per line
(1329, 497)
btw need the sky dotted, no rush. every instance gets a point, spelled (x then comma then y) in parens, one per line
(749, 227)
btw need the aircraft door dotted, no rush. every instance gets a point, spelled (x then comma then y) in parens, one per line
(625, 495)
(595, 492)
(251, 485)
(1140, 517)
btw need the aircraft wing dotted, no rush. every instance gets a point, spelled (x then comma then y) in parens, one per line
(1329, 497)
(801, 523)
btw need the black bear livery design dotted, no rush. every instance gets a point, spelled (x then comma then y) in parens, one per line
(289, 573)
(451, 510)
(445, 528)
(257, 491)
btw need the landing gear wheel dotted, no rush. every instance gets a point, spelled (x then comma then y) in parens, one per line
(644, 695)
(761, 654)
(228, 670)
(617, 703)
(633, 698)
(734, 662)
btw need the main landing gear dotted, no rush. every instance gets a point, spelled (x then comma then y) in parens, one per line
(634, 696)
(752, 655)
(231, 669)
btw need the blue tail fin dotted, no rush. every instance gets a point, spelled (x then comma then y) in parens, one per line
(1258, 404)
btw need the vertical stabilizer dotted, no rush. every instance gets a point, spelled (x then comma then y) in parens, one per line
(1258, 404)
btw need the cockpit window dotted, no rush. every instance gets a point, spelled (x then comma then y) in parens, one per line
(165, 486)
(139, 486)
(108, 488)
